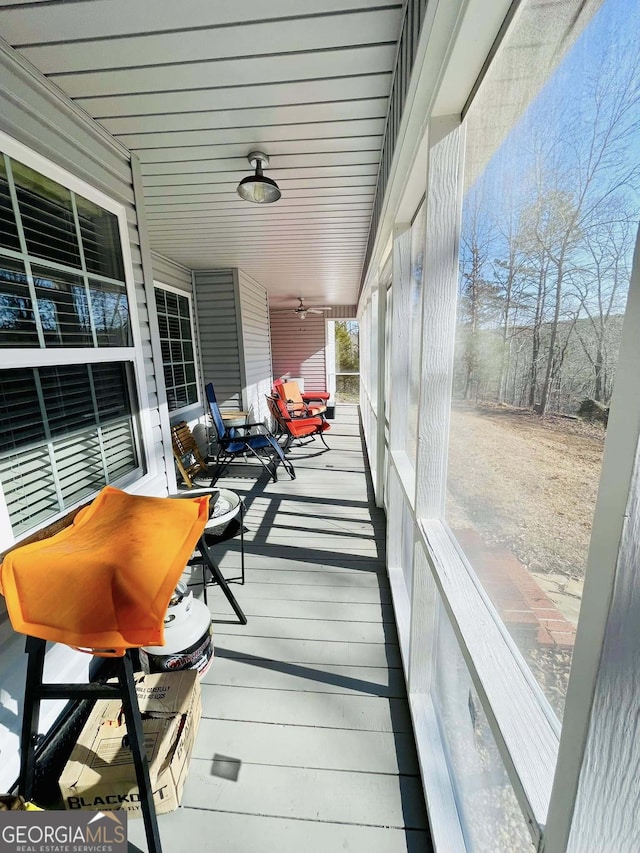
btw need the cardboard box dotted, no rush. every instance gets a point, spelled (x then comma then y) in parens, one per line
(100, 774)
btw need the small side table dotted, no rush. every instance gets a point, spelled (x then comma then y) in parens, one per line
(205, 545)
(231, 418)
(207, 541)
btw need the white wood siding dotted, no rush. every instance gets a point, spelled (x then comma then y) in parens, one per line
(299, 346)
(168, 272)
(256, 346)
(37, 115)
(216, 309)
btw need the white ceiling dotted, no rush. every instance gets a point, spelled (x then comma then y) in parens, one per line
(192, 87)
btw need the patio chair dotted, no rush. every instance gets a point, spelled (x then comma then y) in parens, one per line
(311, 404)
(296, 427)
(238, 441)
(187, 453)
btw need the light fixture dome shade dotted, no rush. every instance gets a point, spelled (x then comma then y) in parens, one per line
(258, 188)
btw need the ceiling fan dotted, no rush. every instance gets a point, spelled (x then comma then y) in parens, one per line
(302, 310)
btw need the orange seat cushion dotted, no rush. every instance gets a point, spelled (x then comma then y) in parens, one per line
(290, 393)
(105, 581)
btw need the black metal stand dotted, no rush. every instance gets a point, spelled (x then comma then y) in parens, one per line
(36, 691)
(205, 544)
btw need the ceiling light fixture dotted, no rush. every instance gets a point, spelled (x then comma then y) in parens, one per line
(258, 188)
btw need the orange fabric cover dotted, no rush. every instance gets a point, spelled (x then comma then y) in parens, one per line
(105, 581)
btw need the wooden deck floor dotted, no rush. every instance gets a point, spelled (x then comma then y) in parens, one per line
(305, 742)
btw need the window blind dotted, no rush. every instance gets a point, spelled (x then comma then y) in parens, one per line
(65, 431)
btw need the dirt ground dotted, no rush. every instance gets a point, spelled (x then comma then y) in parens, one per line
(529, 484)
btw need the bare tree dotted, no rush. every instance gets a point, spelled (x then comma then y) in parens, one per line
(603, 292)
(475, 290)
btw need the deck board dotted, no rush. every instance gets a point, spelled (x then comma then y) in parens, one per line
(279, 675)
(290, 609)
(312, 651)
(327, 630)
(306, 740)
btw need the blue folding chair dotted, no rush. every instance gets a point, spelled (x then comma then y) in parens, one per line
(238, 441)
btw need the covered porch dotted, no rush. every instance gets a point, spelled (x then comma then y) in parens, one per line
(306, 739)
(461, 179)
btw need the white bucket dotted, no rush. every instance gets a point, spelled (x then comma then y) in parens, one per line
(188, 637)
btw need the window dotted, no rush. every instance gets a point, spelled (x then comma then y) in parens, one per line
(347, 349)
(61, 268)
(68, 424)
(178, 350)
(549, 221)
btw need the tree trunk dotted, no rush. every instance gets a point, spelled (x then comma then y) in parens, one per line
(548, 376)
(535, 344)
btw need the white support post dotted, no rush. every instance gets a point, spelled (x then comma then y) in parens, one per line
(594, 799)
(444, 206)
(165, 464)
(382, 356)
(444, 200)
(400, 343)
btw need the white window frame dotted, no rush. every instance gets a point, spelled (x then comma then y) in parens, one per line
(136, 481)
(190, 408)
(330, 355)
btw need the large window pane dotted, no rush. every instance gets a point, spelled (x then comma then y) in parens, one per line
(63, 308)
(491, 818)
(549, 222)
(67, 398)
(20, 419)
(100, 240)
(17, 321)
(28, 486)
(347, 350)
(47, 216)
(111, 390)
(110, 312)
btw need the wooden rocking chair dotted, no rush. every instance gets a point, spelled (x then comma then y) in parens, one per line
(187, 453)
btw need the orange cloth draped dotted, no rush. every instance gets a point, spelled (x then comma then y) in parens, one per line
(105, 581)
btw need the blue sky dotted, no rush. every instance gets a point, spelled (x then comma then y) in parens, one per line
(562, 117)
